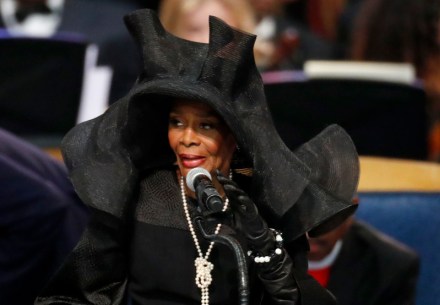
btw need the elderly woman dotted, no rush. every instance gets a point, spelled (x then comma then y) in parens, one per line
(198, 105)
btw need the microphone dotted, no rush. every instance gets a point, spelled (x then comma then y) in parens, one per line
(199, 181)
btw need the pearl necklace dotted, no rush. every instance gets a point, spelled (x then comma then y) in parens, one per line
(203, 266)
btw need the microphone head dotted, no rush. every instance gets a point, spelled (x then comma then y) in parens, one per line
(192, 174)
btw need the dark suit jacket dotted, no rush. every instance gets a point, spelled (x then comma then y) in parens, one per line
(373, 269)
(41, 219)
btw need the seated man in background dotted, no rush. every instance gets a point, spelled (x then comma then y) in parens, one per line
(362, 266)
(41, 219)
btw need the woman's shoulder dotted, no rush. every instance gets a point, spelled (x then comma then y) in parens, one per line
(158, 201)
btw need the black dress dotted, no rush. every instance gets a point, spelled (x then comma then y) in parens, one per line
(149, 253)
(162, 251)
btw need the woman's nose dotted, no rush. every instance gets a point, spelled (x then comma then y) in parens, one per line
(189, 137)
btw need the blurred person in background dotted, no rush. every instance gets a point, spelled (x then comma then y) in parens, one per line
(292, 43)
(188, 19)
(331, 21)
(276, 40)
(320, 16)
(362, 266)
(404, 31)
(41, 219)
(278, 35)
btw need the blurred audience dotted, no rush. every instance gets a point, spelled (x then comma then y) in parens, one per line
(323, 16)
(90, 20)
(189, 20)
(404, 31)
(41, 219)
(277, 34)
(362, 266)
(289, 43)
(281, 44)
(330, 20)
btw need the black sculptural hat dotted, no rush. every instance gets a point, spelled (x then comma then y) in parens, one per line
(309, 190)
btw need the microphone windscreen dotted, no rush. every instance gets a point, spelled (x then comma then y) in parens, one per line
(192, 174)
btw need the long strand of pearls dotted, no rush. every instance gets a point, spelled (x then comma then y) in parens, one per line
(203, 266)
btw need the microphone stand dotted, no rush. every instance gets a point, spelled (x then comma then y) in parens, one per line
(243, 281)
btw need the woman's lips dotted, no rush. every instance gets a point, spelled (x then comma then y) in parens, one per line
(191, 161)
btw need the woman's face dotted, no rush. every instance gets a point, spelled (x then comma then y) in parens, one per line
(199, 138)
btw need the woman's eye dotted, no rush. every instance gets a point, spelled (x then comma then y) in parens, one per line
(207, 126)
(175, 122)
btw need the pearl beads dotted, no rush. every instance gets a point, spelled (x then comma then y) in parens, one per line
(267, 258)
(203, 266)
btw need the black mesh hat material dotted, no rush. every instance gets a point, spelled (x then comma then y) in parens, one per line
(308, 190)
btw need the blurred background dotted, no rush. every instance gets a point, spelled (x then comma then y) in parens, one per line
(371, 66)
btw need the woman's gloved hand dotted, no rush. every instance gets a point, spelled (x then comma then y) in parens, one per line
(277, 274)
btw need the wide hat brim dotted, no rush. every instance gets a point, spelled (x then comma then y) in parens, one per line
(319, 199)
(309, 190)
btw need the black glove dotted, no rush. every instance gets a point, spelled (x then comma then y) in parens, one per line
(277, 274)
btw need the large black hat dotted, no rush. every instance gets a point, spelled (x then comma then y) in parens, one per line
(309, 190)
